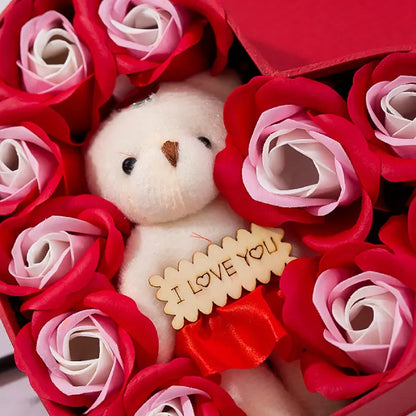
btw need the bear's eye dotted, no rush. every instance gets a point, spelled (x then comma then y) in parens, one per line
(128, 165)
(205, 141)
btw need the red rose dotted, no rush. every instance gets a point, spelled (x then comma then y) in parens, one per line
(292, 156)
(53, 59)
(380, 103)
(170, 40)
(83, 357)
(353, 312)
(32, 166)
(175, 386)
(53, 252)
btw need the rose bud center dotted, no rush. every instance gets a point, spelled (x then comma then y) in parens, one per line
(403, 104)
(363, 318)
(86, 358)
(146, 24)
(380, 302)
(44, 254)
(292, 169)
(56, 51)
(15, 169)
(54, 56)
(295, 164)
(82, 348)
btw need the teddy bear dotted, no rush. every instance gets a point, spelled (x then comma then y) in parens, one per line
(154, 160)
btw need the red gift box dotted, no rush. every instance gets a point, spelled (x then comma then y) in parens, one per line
(316, 39)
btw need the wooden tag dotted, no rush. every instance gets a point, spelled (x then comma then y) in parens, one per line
(224, 271)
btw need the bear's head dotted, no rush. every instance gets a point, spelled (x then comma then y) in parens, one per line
(154, 160)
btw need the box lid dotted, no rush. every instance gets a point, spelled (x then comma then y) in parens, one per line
(320, 37)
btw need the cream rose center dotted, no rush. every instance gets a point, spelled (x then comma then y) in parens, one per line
(54, 56)
(144, 24)
(296, 164)
(15, 168)
(86, 357)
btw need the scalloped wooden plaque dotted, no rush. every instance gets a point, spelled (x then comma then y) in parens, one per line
(195, 286)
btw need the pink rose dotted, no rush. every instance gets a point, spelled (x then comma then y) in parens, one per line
(52, 58)
(175, 399)
(157, 39)
(43, 254)
(51, 254)
(369, 316)
(81, 353)
(292, 155)
(83, 357)
(352, 313)
(293, 163)
(27, 164)
(175, 389)
(392, 108)
(148, 30)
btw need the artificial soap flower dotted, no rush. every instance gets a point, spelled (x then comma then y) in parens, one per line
(368, 315)
(161, 38)
(147, 29)
(43, 254)
(291, 155)
(353, 313)
(178, 389)
(382, 103)
(26, 163)
(32, 166)
(83, 357)
(56, 249)
(52, 58)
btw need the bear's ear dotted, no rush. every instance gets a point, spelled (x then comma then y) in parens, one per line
(219, 86)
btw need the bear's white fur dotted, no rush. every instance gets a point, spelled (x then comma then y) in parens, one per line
(177, 207)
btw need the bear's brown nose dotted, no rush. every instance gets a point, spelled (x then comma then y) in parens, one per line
(171, 152)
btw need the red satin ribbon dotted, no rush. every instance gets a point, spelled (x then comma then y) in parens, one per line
(239, 335)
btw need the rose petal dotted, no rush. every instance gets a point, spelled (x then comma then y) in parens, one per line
(332, 382)
(267, 119)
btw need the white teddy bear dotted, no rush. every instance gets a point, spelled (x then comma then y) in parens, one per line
(155, 160)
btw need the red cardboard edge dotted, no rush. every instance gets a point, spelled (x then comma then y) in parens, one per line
(342, 64)
(319, 69)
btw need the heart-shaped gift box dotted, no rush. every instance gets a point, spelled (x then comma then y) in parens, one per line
(313, 39)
